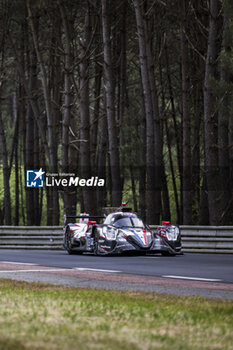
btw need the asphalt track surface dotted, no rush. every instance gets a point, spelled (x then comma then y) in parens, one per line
(207, 275)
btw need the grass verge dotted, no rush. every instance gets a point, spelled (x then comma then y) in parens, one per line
(37, 316)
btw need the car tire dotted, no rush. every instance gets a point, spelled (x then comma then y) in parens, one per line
(68, 245)
(96, 250)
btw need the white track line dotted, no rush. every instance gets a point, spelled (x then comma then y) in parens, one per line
(193, 278)
(52, 270)
(36, 270)
(17, 263)
(96, 270)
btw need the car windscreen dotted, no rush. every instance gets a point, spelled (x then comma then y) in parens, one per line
(129, 222)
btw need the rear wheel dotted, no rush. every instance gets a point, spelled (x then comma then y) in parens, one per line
(68, 244)
(96, 244)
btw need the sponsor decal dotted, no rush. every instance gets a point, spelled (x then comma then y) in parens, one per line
(140, 235)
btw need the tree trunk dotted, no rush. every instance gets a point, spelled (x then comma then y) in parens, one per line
(153, 131)
(121, 57)
(52, 148)
(29, 147)
(101, 191)
(178, 138)
(6, 175)
(16, 153)
(37, 165)
(150, 159)
(223, 128)
(187, 193)
(46, 93)
(158, 167)
(142, 165)
(6, 213)
(95, 117)
(173, 173)
(210, 116)
(85, 160)
(133, 186)
(22, 156)
(166, 213)
(196, 159)
(68, 100)
(110, 108)
(203, 206)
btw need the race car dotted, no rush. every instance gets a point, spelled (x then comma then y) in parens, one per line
(121, 231)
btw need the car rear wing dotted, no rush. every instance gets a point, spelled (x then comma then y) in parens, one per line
(122, 208)
(82, 216)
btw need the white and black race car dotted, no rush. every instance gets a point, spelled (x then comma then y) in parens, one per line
(121, 231)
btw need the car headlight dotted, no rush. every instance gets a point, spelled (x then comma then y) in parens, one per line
(110, 232)
(172, 233)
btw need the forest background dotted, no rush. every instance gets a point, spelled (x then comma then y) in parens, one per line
(138, 92)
